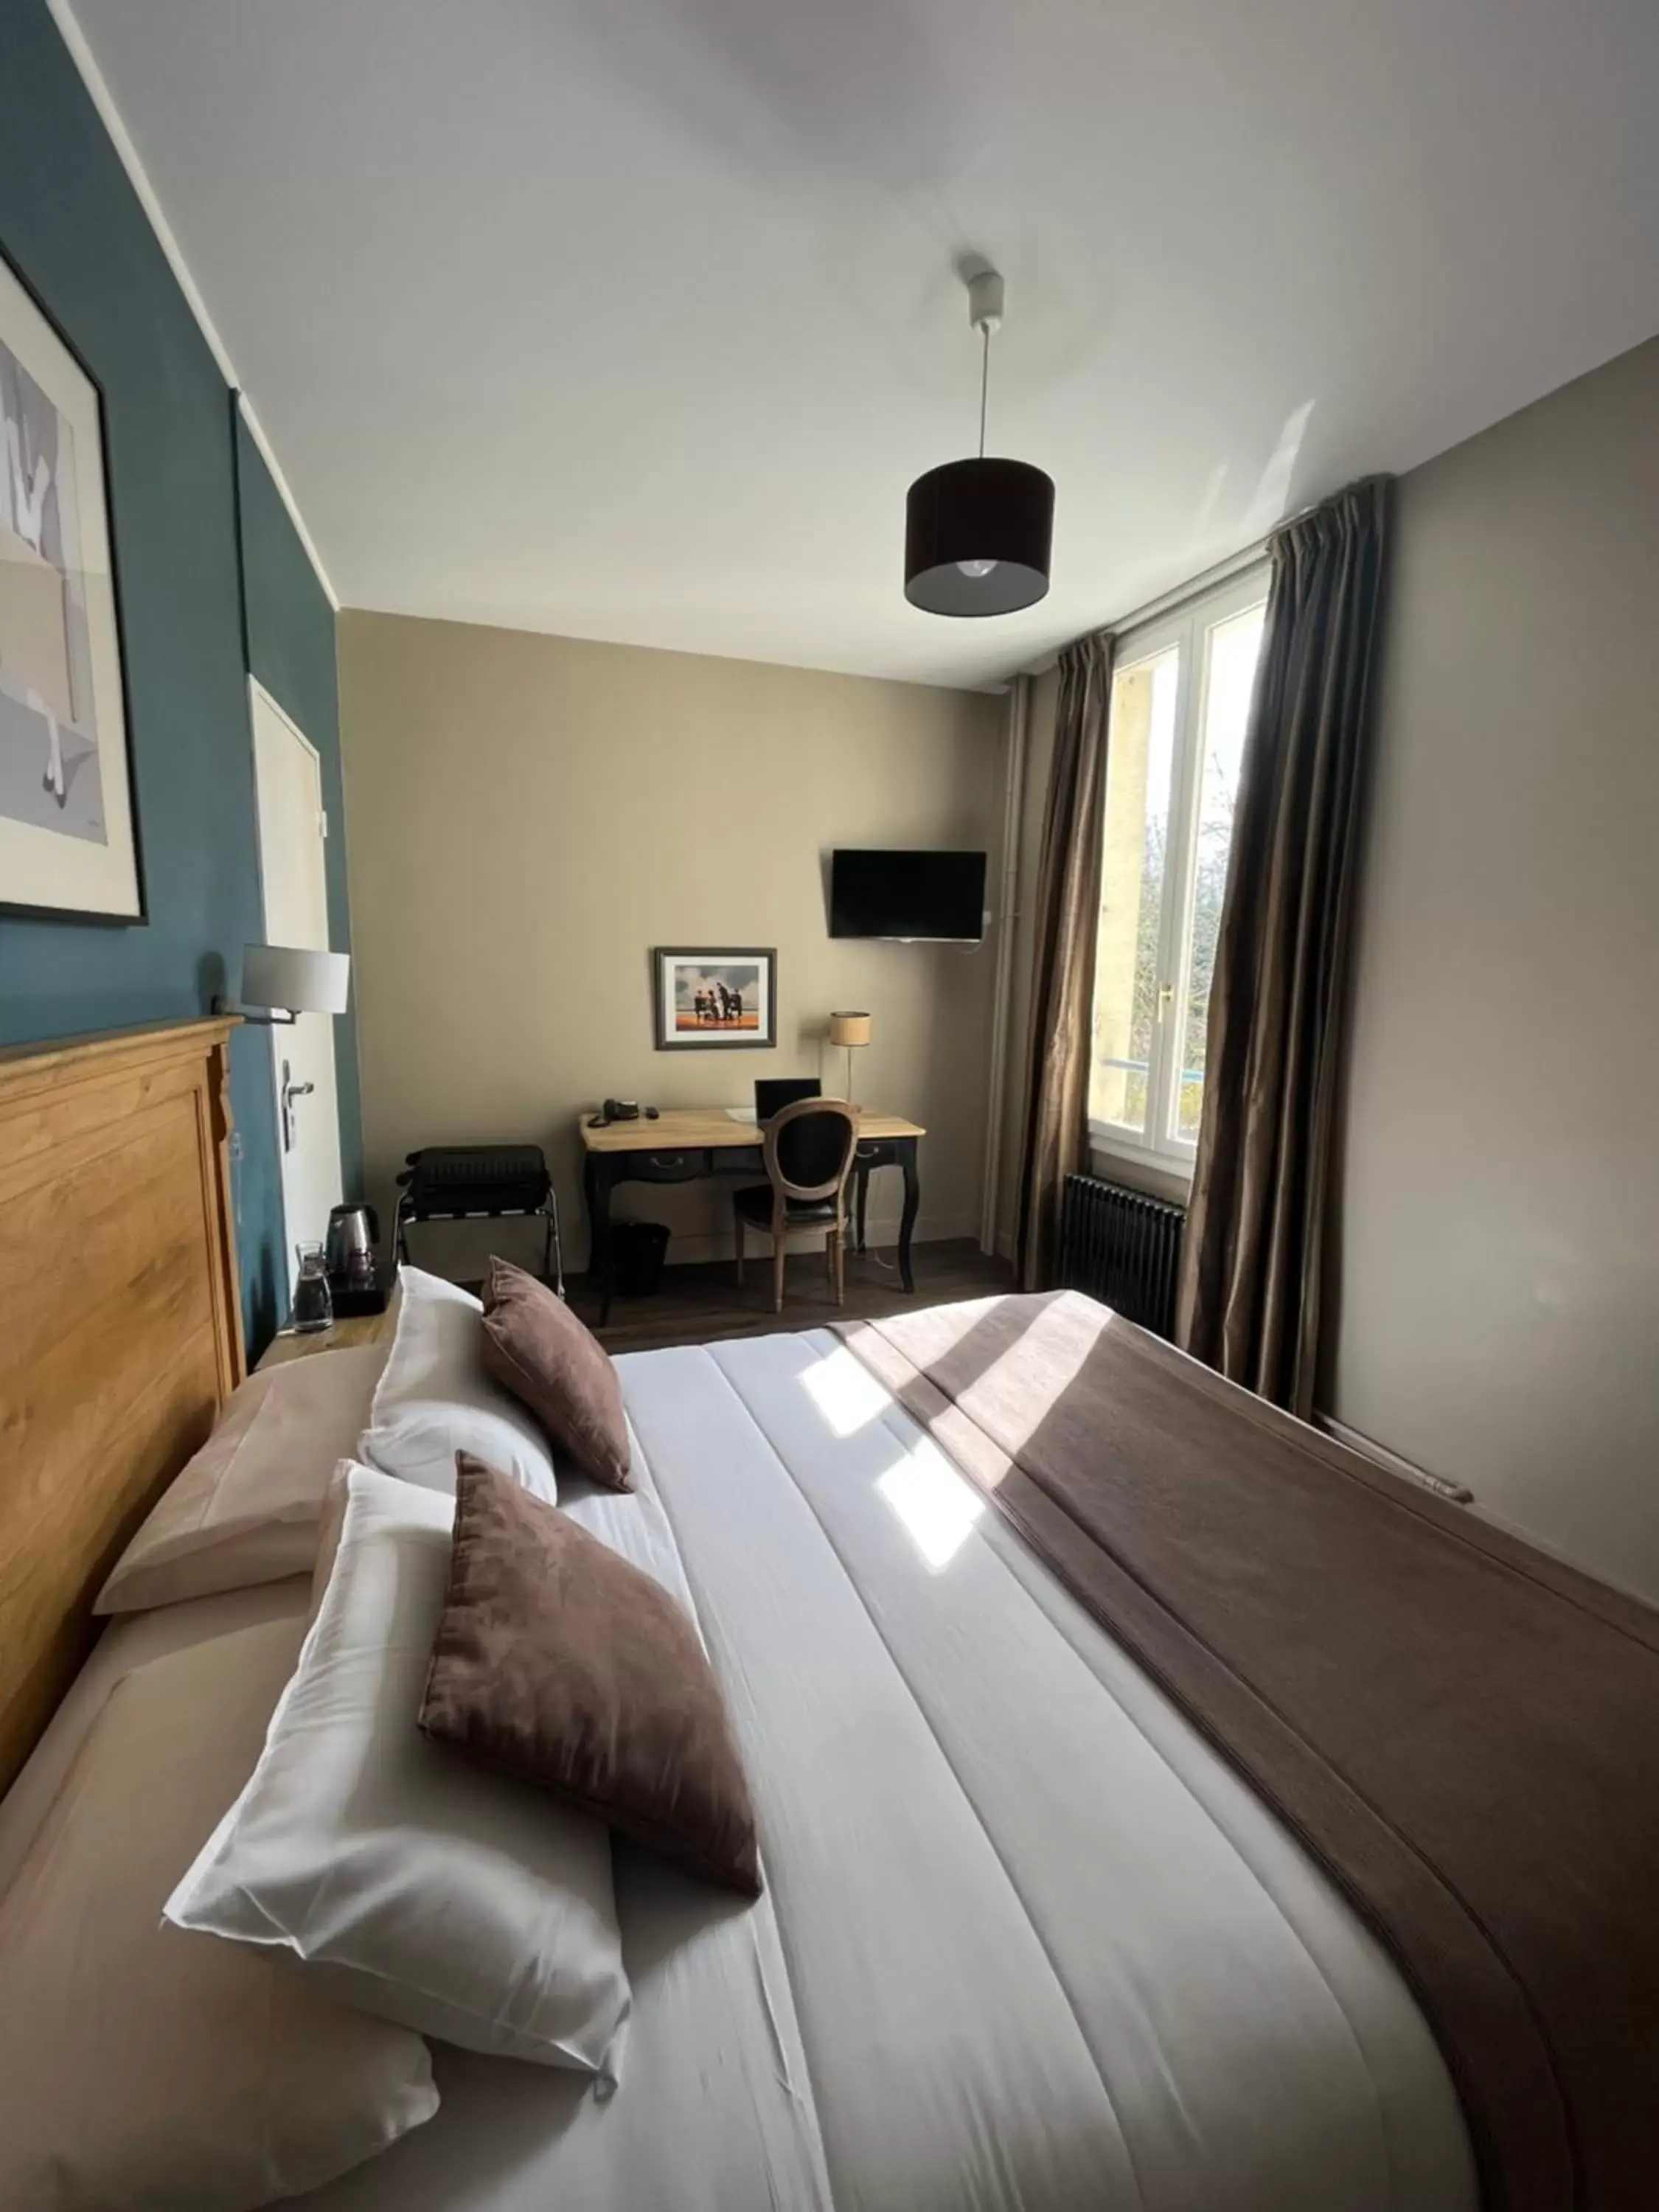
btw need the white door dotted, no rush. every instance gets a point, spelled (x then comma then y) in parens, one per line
(292, 830)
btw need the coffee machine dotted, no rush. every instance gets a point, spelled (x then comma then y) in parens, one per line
(354, 1274)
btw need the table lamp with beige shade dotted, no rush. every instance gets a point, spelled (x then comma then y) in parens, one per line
(851, 1031)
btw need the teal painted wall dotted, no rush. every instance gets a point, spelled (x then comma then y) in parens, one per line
(290, 644)
(72, 224)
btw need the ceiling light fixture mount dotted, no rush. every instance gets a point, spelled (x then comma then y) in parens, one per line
(978, 533)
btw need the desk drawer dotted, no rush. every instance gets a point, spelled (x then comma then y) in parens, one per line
(876, 1152)
(669, 1166)
(666, 1166)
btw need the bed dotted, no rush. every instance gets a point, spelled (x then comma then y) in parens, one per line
(1028, 1938)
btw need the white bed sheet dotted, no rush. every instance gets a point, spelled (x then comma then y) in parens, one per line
(1027, 1940)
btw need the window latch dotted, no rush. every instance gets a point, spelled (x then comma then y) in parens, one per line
(1165, 999)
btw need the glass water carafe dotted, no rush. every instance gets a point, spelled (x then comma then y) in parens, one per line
(313, 1307)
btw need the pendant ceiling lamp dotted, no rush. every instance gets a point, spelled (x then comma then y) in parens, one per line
(977, 534)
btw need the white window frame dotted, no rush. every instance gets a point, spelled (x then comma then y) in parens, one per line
(1185, 627)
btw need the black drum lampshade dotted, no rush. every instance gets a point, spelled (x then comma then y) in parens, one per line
(977, 534)
(977, 538)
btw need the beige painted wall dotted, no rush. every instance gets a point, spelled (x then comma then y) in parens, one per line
(1498, 1289)
(528, 815)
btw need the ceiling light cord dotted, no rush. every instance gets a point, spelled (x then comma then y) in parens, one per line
(984, 383)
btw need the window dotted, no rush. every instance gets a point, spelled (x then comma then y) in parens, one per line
(1181, 702)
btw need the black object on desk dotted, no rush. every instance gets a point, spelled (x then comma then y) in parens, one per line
(773, 1092)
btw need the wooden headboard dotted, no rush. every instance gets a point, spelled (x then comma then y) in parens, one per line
(120, 1322)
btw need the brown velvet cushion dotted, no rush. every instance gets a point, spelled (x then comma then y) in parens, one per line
(536, 1347)
(558, 1661)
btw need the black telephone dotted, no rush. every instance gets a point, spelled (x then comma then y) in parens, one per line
(620, 1109)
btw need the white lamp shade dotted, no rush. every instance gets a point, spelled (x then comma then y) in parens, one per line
(849, 1029)
(295, 980)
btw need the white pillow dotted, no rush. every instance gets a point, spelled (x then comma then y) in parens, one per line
(245, 1508)
(142, 2068)
(434, 1399)
(460, 1902)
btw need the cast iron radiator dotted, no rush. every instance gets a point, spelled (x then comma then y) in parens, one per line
(1123, 1249)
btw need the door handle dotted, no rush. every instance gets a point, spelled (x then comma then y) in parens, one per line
(291, 1091)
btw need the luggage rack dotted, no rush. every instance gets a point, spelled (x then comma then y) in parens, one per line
(481, 1182)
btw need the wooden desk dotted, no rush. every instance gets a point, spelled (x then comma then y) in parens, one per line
(689, 1144)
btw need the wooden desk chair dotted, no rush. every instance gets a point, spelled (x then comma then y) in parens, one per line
(808, 1156)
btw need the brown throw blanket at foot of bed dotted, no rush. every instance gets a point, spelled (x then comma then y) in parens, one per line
(1463, 1732)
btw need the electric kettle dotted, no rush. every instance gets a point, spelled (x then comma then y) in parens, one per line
(353, 1233)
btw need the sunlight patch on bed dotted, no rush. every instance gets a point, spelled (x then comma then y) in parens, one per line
(936, 1507)
(1045, 1361)
(846, 1393)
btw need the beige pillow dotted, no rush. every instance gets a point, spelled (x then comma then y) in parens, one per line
(141, 2067)
(536, 1347)
(245, 1509)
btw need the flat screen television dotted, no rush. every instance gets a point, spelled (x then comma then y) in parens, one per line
(937, 896)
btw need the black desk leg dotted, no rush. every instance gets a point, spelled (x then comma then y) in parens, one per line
(860, 1201)
(908, 1218)
(596, 1180)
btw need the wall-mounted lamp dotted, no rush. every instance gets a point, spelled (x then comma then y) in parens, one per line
(851, 1030)
(288, 981)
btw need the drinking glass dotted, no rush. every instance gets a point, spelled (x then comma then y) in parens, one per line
(313, 1305)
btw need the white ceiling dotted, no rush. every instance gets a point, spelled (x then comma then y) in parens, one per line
(634, 319)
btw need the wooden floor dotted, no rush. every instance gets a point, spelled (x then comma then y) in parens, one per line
(701, 1305)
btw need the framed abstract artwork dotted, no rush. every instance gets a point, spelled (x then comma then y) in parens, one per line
(716, 997)
(68, 840)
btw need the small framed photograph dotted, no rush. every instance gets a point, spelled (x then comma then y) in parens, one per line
(703, 999)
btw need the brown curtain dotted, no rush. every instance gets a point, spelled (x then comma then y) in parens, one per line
(1250, 1286)
(1067, 919)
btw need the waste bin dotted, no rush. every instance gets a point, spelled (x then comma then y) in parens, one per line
(639, 1249)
